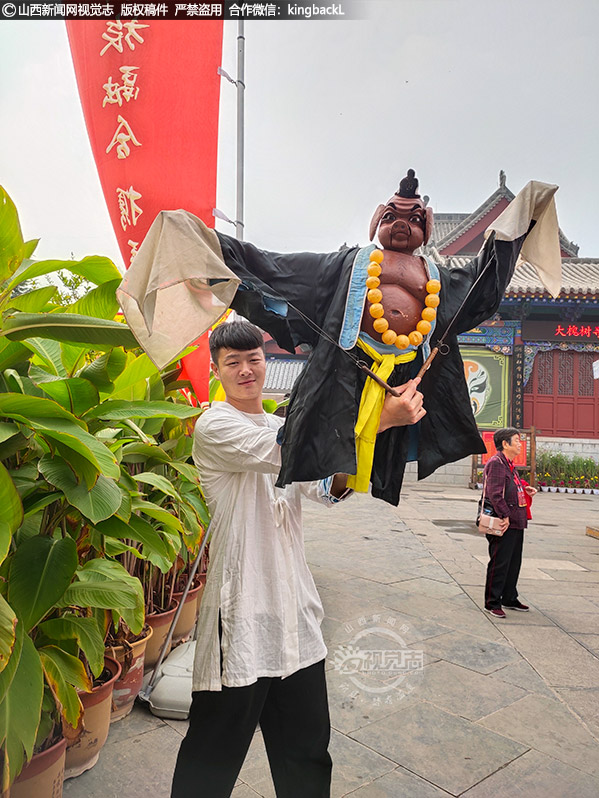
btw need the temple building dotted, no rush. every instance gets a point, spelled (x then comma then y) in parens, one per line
(532, 365)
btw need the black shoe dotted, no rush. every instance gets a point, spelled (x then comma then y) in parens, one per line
(517, 605)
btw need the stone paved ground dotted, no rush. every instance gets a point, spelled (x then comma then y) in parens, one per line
(492, 709)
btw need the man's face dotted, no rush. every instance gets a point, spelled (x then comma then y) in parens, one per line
(241, 373)
(402, 224)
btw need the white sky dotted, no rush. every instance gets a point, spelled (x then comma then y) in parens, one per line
(335, 114)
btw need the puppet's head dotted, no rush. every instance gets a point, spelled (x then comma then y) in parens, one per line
(405, 222)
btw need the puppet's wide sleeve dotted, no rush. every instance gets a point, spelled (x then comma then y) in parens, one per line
(185, 276)
(526, 229)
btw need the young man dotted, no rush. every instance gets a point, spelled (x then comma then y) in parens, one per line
(260, 652)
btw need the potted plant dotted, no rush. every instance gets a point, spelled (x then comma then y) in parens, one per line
(69, 510)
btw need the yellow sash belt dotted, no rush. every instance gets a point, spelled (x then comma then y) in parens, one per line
(369, 414)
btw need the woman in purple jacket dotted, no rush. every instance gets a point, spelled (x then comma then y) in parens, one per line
(506, 493)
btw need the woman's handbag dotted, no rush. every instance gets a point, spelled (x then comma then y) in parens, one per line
(486, 521)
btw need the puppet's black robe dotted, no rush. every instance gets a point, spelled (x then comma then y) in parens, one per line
(317, 439)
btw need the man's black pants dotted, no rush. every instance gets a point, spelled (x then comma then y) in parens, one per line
(505, 559)
(294, 717)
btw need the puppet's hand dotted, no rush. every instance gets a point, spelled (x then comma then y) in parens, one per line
(399, 411)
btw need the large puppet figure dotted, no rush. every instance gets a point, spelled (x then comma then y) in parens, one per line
(384, 306)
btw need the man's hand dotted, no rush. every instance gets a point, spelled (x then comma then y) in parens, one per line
(530, 490)
(505, 522)
(399, 411)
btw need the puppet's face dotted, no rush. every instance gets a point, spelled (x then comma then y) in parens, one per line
(402, 224)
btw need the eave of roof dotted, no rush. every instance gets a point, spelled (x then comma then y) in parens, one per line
(580, 278)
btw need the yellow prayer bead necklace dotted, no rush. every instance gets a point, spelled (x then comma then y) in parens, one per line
(377, 311)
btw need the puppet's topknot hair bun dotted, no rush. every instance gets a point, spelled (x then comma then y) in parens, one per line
(409, 186)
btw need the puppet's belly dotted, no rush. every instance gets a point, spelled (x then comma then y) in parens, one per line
(402, 311)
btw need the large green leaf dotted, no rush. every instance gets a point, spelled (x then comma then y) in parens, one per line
(7, 675)
(40, 572)
(76, 394)
(105, 369)
(11, 507)
(105, 595)
(118, 410)
(189, 471)
(89, 447)
(38, 501)
(100, 302)
(24, 408)
(11, 238)
(5, 538)
(144, 452)
(8, 623)
(138, 369)
(69, 327)
(97, 503)
(33, 301)
(73, 357)
(11, 353)
(157, 481)
(136, 529)
(94, 268)
(101, 569)
(64, 674)
(158, 513)
(85, 631)
(48, 352)
(20, 711)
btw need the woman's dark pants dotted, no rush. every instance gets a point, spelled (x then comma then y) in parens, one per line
(505, 559)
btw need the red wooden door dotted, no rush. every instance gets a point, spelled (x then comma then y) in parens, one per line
(561, 398)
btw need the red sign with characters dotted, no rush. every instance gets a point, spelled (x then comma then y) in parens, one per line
(150, 95)
(491, 450)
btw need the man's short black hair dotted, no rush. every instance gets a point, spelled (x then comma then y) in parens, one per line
(504, 436)
(240, 335)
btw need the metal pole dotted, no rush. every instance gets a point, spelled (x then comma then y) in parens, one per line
(240, 127)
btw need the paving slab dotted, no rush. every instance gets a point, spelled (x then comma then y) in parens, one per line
(574, 622)
(523, 675)
(443, 749)
(465, 693)
(142, 767)
(243, 791)
(471, 652)
(559, 734)
(535, 775)
(585, 703)
(352, 706)
(399, 782)
(561, 660)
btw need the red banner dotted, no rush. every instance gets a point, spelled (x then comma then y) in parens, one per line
(150, 95)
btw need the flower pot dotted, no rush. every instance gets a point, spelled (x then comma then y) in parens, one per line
(83, 751)
(129, 683)
(595, 491)
(160, 623)
(569, 490)
(587, 491)
(579, 490)
(544, 488)
(552, 489)
(43, 775)
(189, 613)
(561, 490)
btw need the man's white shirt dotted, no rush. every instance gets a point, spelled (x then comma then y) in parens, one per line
(258, 580)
